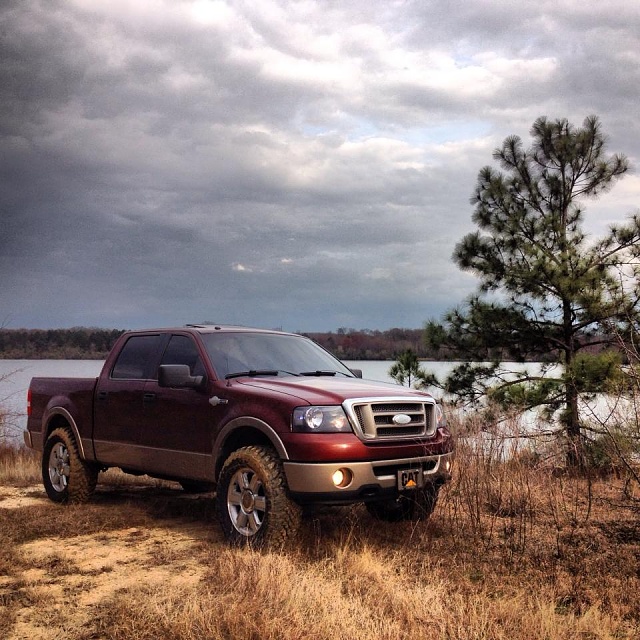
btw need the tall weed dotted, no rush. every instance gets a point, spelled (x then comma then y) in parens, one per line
(19, 466)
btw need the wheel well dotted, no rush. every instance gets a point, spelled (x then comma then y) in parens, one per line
(62, 420)
(55, 422)
(241, 437)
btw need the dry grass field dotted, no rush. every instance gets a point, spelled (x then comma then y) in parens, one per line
(512, 551)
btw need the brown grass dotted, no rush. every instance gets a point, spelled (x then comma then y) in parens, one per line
(19, 467)
(514, 550)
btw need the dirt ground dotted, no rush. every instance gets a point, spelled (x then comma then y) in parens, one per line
(148, 562)
(59, 580)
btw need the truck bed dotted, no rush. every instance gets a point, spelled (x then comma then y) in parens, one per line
(74, 395)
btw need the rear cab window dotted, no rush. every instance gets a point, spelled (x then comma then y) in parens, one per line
(138, 358)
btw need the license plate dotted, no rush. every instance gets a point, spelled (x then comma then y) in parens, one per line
(409, 479)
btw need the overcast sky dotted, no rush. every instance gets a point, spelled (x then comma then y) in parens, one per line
(305, 165)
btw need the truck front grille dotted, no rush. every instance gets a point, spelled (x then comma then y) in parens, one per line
(386, 419)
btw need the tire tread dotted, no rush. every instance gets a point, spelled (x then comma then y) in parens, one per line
(83, 476)
(283, 516)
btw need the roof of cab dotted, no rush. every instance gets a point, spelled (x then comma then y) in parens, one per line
(209, 328)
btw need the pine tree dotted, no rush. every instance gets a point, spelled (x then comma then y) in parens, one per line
(546, 291)
(407, 370)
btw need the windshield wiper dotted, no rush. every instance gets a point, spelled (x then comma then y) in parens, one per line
(324, 372)
(252, 373)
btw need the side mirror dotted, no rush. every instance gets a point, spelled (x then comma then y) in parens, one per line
(178, 376)
(356, 372)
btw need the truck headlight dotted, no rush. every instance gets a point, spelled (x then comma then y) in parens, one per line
(320, 420)
(441, 421)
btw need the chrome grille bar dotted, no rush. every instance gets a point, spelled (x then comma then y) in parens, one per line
(392, 418)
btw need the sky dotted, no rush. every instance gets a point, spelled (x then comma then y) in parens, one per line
(298, 165)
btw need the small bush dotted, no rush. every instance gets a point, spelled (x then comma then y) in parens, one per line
(607, 452)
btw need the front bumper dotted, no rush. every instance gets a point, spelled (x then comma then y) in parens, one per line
(371, 480)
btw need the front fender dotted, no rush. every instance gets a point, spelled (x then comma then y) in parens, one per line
(246, 423)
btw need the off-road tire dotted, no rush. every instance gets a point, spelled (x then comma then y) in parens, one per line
(254, 507)
(66, 477)
(415, 506)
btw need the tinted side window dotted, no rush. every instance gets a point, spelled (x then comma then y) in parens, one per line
(182, 350)
(136, 358)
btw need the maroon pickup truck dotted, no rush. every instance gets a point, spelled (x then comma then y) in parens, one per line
(270, 420)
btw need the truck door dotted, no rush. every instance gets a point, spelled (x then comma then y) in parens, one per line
(176, 438)
(119, 403)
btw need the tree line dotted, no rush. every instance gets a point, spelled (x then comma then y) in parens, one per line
(84, 343)
(365, 344)
(78, 343)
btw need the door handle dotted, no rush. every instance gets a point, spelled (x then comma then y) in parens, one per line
(148, 398)
(102, 395)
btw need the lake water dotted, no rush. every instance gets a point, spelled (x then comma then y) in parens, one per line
(15, 376)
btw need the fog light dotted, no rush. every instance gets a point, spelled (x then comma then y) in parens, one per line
(342, 478)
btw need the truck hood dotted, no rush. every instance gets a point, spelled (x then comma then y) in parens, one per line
(324, 390)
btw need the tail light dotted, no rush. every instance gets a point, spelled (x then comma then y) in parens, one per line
(29, 402)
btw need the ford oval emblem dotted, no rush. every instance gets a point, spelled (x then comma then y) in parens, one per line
(401, 418)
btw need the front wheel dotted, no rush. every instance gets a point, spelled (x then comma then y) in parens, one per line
(253, 502)
(65, 475)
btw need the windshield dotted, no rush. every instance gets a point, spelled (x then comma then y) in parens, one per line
(269, 353)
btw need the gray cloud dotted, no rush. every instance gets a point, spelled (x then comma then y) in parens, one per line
(299, 165)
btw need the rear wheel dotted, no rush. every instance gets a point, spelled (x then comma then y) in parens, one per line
(66, 477)
(418, 505)
(253, 502)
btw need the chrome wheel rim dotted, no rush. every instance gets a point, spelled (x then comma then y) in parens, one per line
(246, 502)
(59, 467)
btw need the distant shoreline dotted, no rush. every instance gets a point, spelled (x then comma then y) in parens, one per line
(82, 343)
